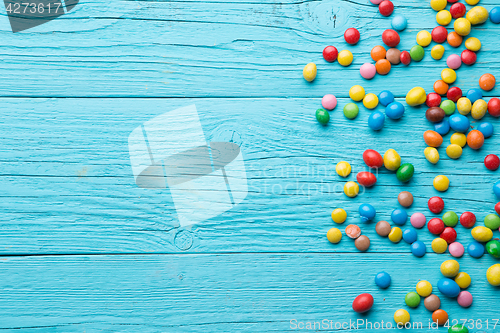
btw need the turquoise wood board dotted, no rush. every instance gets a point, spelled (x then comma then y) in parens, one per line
(84, 249)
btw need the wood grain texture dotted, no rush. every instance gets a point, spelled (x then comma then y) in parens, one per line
(84, 249)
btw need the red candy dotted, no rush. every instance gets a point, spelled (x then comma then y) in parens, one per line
(406, 58)
(351, 36)
(467, 220)
(330, 53)
(433, 99)
(439, 34)
(386, 8)
(458, 10)
(436, 226)
(373, 159)
(452, 1)
(494, 107)
(497, 208)
(492, 162)
(468, 57)
(390, 38)
(362, 303)
(449, 235)
(454, 94)
(436, 205)
(367, 179)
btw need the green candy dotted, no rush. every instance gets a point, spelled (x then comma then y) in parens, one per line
(492, 221)
(351, 110)
(412, 299)
(448, 107)
(450, 219)
(458, 328)
(493, 248)
(405, 172)
(322, 116)
(417, 53)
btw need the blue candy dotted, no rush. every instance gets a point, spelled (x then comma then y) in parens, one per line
(383, 280)
(496, 189)
(495, 15)
(418, 249)
(475, 249)
(399, 216)
(376, 120)
(448, 287)
(486, 128)
(399, 22)
(395, 110)
(367, 212)
(459, 123)
(385, 97)
(474, 94)
(410, 235)
(443, 127)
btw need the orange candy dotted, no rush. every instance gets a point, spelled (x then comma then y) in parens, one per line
(487, 82)
(454, 39)
(383, 66)
(352, 231)
(475, 139)
(433, 139)
(441, 87)
(378, 53)
(440, 317)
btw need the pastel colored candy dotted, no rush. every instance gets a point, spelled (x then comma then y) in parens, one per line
(329, 102)
(465, 299)
(368, 71)
(456, 249)
(418, 220)
(454, 61)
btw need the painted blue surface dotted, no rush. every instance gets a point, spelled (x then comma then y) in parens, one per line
(84, 249)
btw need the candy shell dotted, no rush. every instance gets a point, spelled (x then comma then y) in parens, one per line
(464, 106)
(351, 189)
(440, 317)
(463, 280)
(479, 109)
(432, 303)
(438, 5)
(432, 100)
(385, 97)
(441, 183)
(477, 15)
(395, 235)
(454, 94)
(310, 71)
(448, 106)
(424, 38)
(383, 66)
(365, 178)
(434, 114)
(418, 220)
(390, 38)
(494, 107)
(394, 56)
(458, 10)
(357, 93)
(352, 231)
(351, 110)
(467, 220)
(330, 53)
(405, 199)
(373, 159)
(376, 120)
(459, 123)
(433, 139)
(462, 26)
(443, 17)
(395, 110)
(450, 268)
(417, 53)
(401, 317)
(486, 128)
(482, 234)
(439, 245)
(474, 94)
(418, 249)
(468, 57)
(487, 82)
(392, 160)
(449, 235)
(366, 212)
(458, 139)
(329, 102)
(443, 127)
(378, 52)
(454, 39)
(399, 22)
(436, 205)
(383, 228)
(370, 101)
(456, 249)
(439, 35)
(473, 44)
(493, 275)
(448, 287)
(464, 299)
(431, 154)
(448, 75)
(368, 71)
(496, 188)
(410, 235)
(450, 219)
(399, 216)
(440, 87)
(424, 288)
(475, 249)
(492, 162)
(383, 280)
(343, 169)
(339, 215)
(454, 151)
(475, 139)
(495, 15)
(322, 116)
(405, 172)
(405, 58)
(412, 299)
(436, 226)
(454, 61)
(352, 36)
(386, 8)
(492, 221)
(362, 243)
(334, 235)
(362, 303)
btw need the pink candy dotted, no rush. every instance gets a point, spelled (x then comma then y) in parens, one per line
(376, 2)
(464, 299)
(329, 102)
(418, 220)
(456, 249)
(368, 71)
(454, 61)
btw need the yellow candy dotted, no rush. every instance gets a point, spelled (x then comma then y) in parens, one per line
(345, 58)
(482, 234)
(448, 75)
(351, 189)
(463, 280)
(424, 38)
(343, 169)
(441, 183)
(357, 93)
(464, 106)
(339, 215)
(459, 139)
(443, 17)
(416, 96)
(401, 317)
(395, 235)
(431, 154)
(392, 160)
(472, 2)
(370, 101)
(477, 15)
(438, 5)
(334, 235)
(462, 26)
(493, 275)
(454, 151)
(424, 288)
(437, 52)
(310, 72)
(439, 245)
(450, 268)
(479, 109)
(473, 44)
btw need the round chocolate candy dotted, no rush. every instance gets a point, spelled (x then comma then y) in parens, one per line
(405, 199)
(434, 114)
(383, 228)
(432, 303)
(362, 243)
(394, 56)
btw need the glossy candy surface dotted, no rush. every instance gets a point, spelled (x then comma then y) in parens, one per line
(352, 36)
(385, 97)
(431, 154)
(494, 107)
(343, 169)
(458, 139)
(399, 22)
(454, 151)
(450, 268)
(492, 162)
(440, 317)
(373, 159)
(493, 275)
(456, 249)
(362, 303)
(468, 57)
(487, 82)
(417, 53)
(310, 71)
(465, 300)
(366, 212)
(394, 56)
(383, 280)
(368, 71)
(433, 138)
(386, 7)
(339, 215)
(401, 317)
(424, 288)
(443, 127)
(439, 245)
(486, 128)
(435, 114)
(392, 160)
(322, 116)
(410, 235)
(433, 99)
(459, 123)
(441, 183)
(330, 53)
(416, 96)
(395, 110)
(399, 216)
(376, 120)
(454, 61)
(482, 234)
(493, 248)
(362, 243)
(334, 235)
(405, 199)
(435, 226)
(351, 189)
(476, 249)
(464, 106)
(351, 110)
(365, 178)
(383, 228)
(479, 109)
(418, 220)
(448, 287)
(449, 235)
(357, 93)
(448, 106)
(475, 139)
(477, 15)
(395, 235)
(329, 102)
(412, 299)
(345, 58)
(450, 219)
(405, 172)
(432, 303)
(390, 38)
(418, 249)
(473, 44)
(436, 205)
(467, 220)
(454, 94)
(492, 221)
(463, 280)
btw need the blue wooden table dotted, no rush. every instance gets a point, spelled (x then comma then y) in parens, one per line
(84, 249)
